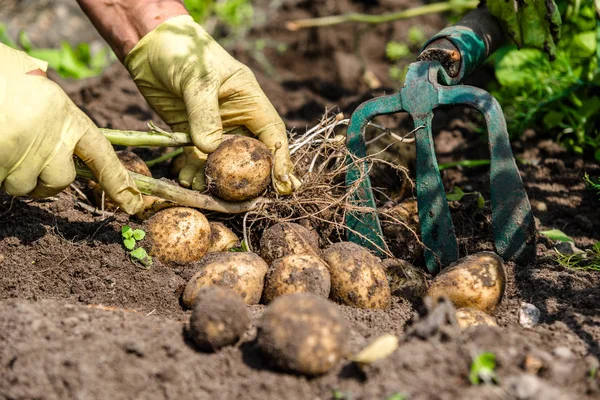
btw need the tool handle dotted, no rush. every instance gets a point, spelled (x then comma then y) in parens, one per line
(464, 46)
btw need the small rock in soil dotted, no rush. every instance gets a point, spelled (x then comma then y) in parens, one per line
(562, 352)
(529, 315)
(568, 248)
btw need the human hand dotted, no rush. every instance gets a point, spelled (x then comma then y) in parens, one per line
(198, 88)
(41, 129)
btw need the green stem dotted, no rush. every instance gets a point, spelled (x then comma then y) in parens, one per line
(464, 163)
(164, 157)
(147, 139)
(380, 19)
(179, 195)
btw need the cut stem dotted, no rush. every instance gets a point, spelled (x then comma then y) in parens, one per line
(380, 19)
(147, 139)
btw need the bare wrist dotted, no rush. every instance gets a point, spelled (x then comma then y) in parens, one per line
(122, 23)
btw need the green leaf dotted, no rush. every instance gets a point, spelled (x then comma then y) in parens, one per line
(139, 253)
(5, 38)
(24, 41)
(396, 51)
(139, 234)
(129, 243)
(51, 56)
(126, 231)
(457, 195)
(521, 67)
(480, 201)
(397, 396)
(555, 234)
(483, 369)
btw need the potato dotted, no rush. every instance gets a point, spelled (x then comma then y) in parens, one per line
(397, 224)
(219, 318)
(476, 281)
(179, 235)
(240, 169)
(303, 333)
(134, 163)
(287, 238)
(357, 277)
(405, 280)
(244, 273)
(222, 238)
(467, 317)
(297, 273)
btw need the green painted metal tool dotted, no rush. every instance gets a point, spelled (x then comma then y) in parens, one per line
(431, 82)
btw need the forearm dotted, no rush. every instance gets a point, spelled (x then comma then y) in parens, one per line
(122, 23)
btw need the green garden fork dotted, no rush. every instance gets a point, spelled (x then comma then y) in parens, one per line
(434, 80)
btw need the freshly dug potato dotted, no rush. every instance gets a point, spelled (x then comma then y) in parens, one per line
(476, 281)
(467, 317)
(358, 278)
(297, 273)
(405, 280)
(287, 238)
(132, 162)
(240, 169)
(221, 238)
(303, 333)
(397, 223)
(244, 273)
(219, 318)
(179, 235)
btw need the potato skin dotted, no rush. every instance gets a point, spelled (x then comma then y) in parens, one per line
(178, 235)
(297, 273)
(240, 169)
(244, 273)
(303, 333)
(358, 278)
(467, 317)
(477, 281)
(219, 318)
(221, 238)
(287, 238)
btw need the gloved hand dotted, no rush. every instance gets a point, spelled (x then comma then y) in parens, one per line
(40, 129)
(198, 88)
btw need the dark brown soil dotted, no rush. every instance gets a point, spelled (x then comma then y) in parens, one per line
(78, 319)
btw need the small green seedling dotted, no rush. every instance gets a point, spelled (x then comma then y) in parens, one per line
(483, 369)
(130, 239)
(397, 396)
(458, 194)
(592, 183)
(243, 248)
(339, 395)
(555, 234)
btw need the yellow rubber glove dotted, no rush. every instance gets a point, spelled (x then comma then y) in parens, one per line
(41, 129)
(198, 88)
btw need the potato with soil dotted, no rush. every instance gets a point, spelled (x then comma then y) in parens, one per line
(240, 169)
(405, 280)
(287, 238)
(219, 318)
(303, 333)
(132, 162)
(477, 281)
(222, 238)
(178, 235)
(358, 278)
(468, 317)
(297, 273)
(242, 272)
(402, 230)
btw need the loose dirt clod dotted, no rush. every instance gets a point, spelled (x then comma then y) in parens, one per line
(221, 238)
(287, 238)
(240, 169)
(467, 317)
(406, 281)
(178, 235)
(244, 273)
(402, 229)
(476, 281)
(357, 277)
(303, 333)
(297, 273)
(219, 318)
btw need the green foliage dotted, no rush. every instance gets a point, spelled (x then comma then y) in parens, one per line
(234, 14)
(397, 396)
(592, 183)
(339, 395)
(555, 234)
(243, 248)
(396, 51)
(458, 194)
(559, 97)
(70, 62)
(130, 239)
(587, 260)
(483, 369)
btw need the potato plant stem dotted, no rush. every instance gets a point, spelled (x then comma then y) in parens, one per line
(380, 19)
(147, 139)
(164, 157)
(179, 195)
